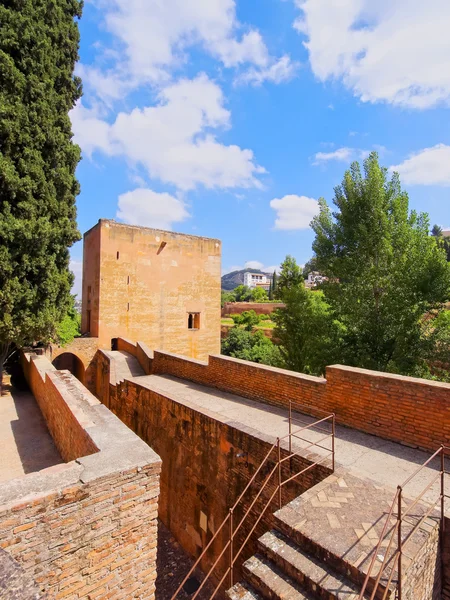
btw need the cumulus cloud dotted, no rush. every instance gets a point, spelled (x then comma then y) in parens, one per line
(341, 154)
(151, 209)
(430, 166)
(294, 212)
(174, 139)
(278, 72)
(397, 51)
(252, 264)
(152, 39)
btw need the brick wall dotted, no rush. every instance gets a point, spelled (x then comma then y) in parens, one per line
(206, 465)
(84, 349)
(260, 308)
(414, 412)
(85, 529)
(422, 580)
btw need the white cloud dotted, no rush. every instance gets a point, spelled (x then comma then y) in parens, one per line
(252, 264)
(151, 209)
(430, 166)
(278, 72)
(174, 140)
(294, 212)
(341, 154)
(76, 266)
(397, 51)
(152, 39)
(346, 154)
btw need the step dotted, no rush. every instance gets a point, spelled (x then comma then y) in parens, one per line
(286, 522)
(308, 571)
(242, 591)
(270, 582)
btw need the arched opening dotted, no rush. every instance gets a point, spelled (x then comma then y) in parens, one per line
(72, 363)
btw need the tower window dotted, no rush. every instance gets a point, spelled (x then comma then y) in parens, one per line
(117, 256)
(193, 320)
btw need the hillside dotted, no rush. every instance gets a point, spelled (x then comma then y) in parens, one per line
(235, 278)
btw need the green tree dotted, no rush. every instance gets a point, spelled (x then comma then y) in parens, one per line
(255, 347)
(248, 319)
(307, 333)
(70, 326)
(443, 242)
(259, 294)
(290, 276)
(242, 293)
(436, 231)
(38, 50)
(384, 270)
(309, 267)
(274, 284)
(227, 297)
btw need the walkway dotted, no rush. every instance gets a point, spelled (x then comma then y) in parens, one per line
(125, 364)
(363, 455)
(25, 442)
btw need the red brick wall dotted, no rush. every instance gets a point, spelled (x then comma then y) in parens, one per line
(86, 529)
(408, 410)
(95, 540)
(201, 469)
(63, 422)
(260, 308)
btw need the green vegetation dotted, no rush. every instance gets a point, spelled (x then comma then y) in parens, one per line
(253, 346)
(70, 327)
(382, 305)
(38, 51)
(443, 242)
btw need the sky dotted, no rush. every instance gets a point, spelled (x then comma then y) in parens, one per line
(230, 118)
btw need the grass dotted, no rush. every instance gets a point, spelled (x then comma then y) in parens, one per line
(263, 325)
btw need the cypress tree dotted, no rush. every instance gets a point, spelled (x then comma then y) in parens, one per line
(38, 50)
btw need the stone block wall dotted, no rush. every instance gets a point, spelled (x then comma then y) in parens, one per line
(88, 528)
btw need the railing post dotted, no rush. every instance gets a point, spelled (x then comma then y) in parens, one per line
(399, 543)
(442, 489)
(333, 433)
(290, 426)
(279, 473)
(231, 548)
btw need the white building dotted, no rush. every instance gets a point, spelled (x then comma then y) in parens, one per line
(253, 280)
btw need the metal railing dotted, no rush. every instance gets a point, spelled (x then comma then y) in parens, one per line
(395, 534)
(273, 462)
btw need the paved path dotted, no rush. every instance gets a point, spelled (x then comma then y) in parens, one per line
(25, 442)
(386, 463)
(126, 365)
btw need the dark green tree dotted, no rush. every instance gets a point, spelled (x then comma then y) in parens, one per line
(255, 347)
(248, 320)
(308, 335)
(290, 276)
(443, 242)
(242, 293)
(38, 50)
(274, 284)
(385, 272)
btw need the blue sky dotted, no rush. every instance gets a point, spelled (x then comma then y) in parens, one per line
(230, 118)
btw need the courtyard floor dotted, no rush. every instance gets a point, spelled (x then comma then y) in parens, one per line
(26, 445)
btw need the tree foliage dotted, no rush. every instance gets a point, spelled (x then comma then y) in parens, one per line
(384, 270)
(308, 335)
(255, 347)
(247, 319)
(441, 241)
(259, 294)
(242, 293)
(290, 276)
(38, 50)
(70, 326)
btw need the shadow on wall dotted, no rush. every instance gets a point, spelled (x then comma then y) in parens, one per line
(72, 363)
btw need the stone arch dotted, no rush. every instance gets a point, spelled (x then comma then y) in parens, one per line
(71, 362)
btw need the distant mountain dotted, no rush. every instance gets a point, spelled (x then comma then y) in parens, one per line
(235, 278)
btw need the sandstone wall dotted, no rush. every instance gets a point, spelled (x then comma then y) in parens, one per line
(88, 528)
(149, 282)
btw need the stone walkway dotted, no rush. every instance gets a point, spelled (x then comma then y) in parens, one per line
(126, 365)
(386, 463)
(25, 442)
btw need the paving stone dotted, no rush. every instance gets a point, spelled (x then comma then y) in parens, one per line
(242, 591)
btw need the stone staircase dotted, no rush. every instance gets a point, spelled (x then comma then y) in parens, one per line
(322, 543)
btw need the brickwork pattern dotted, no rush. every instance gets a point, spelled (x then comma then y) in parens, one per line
(206, 465)
(86, 529)
(412, 411)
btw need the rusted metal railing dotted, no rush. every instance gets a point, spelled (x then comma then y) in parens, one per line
(391, 562)
(274, 461)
